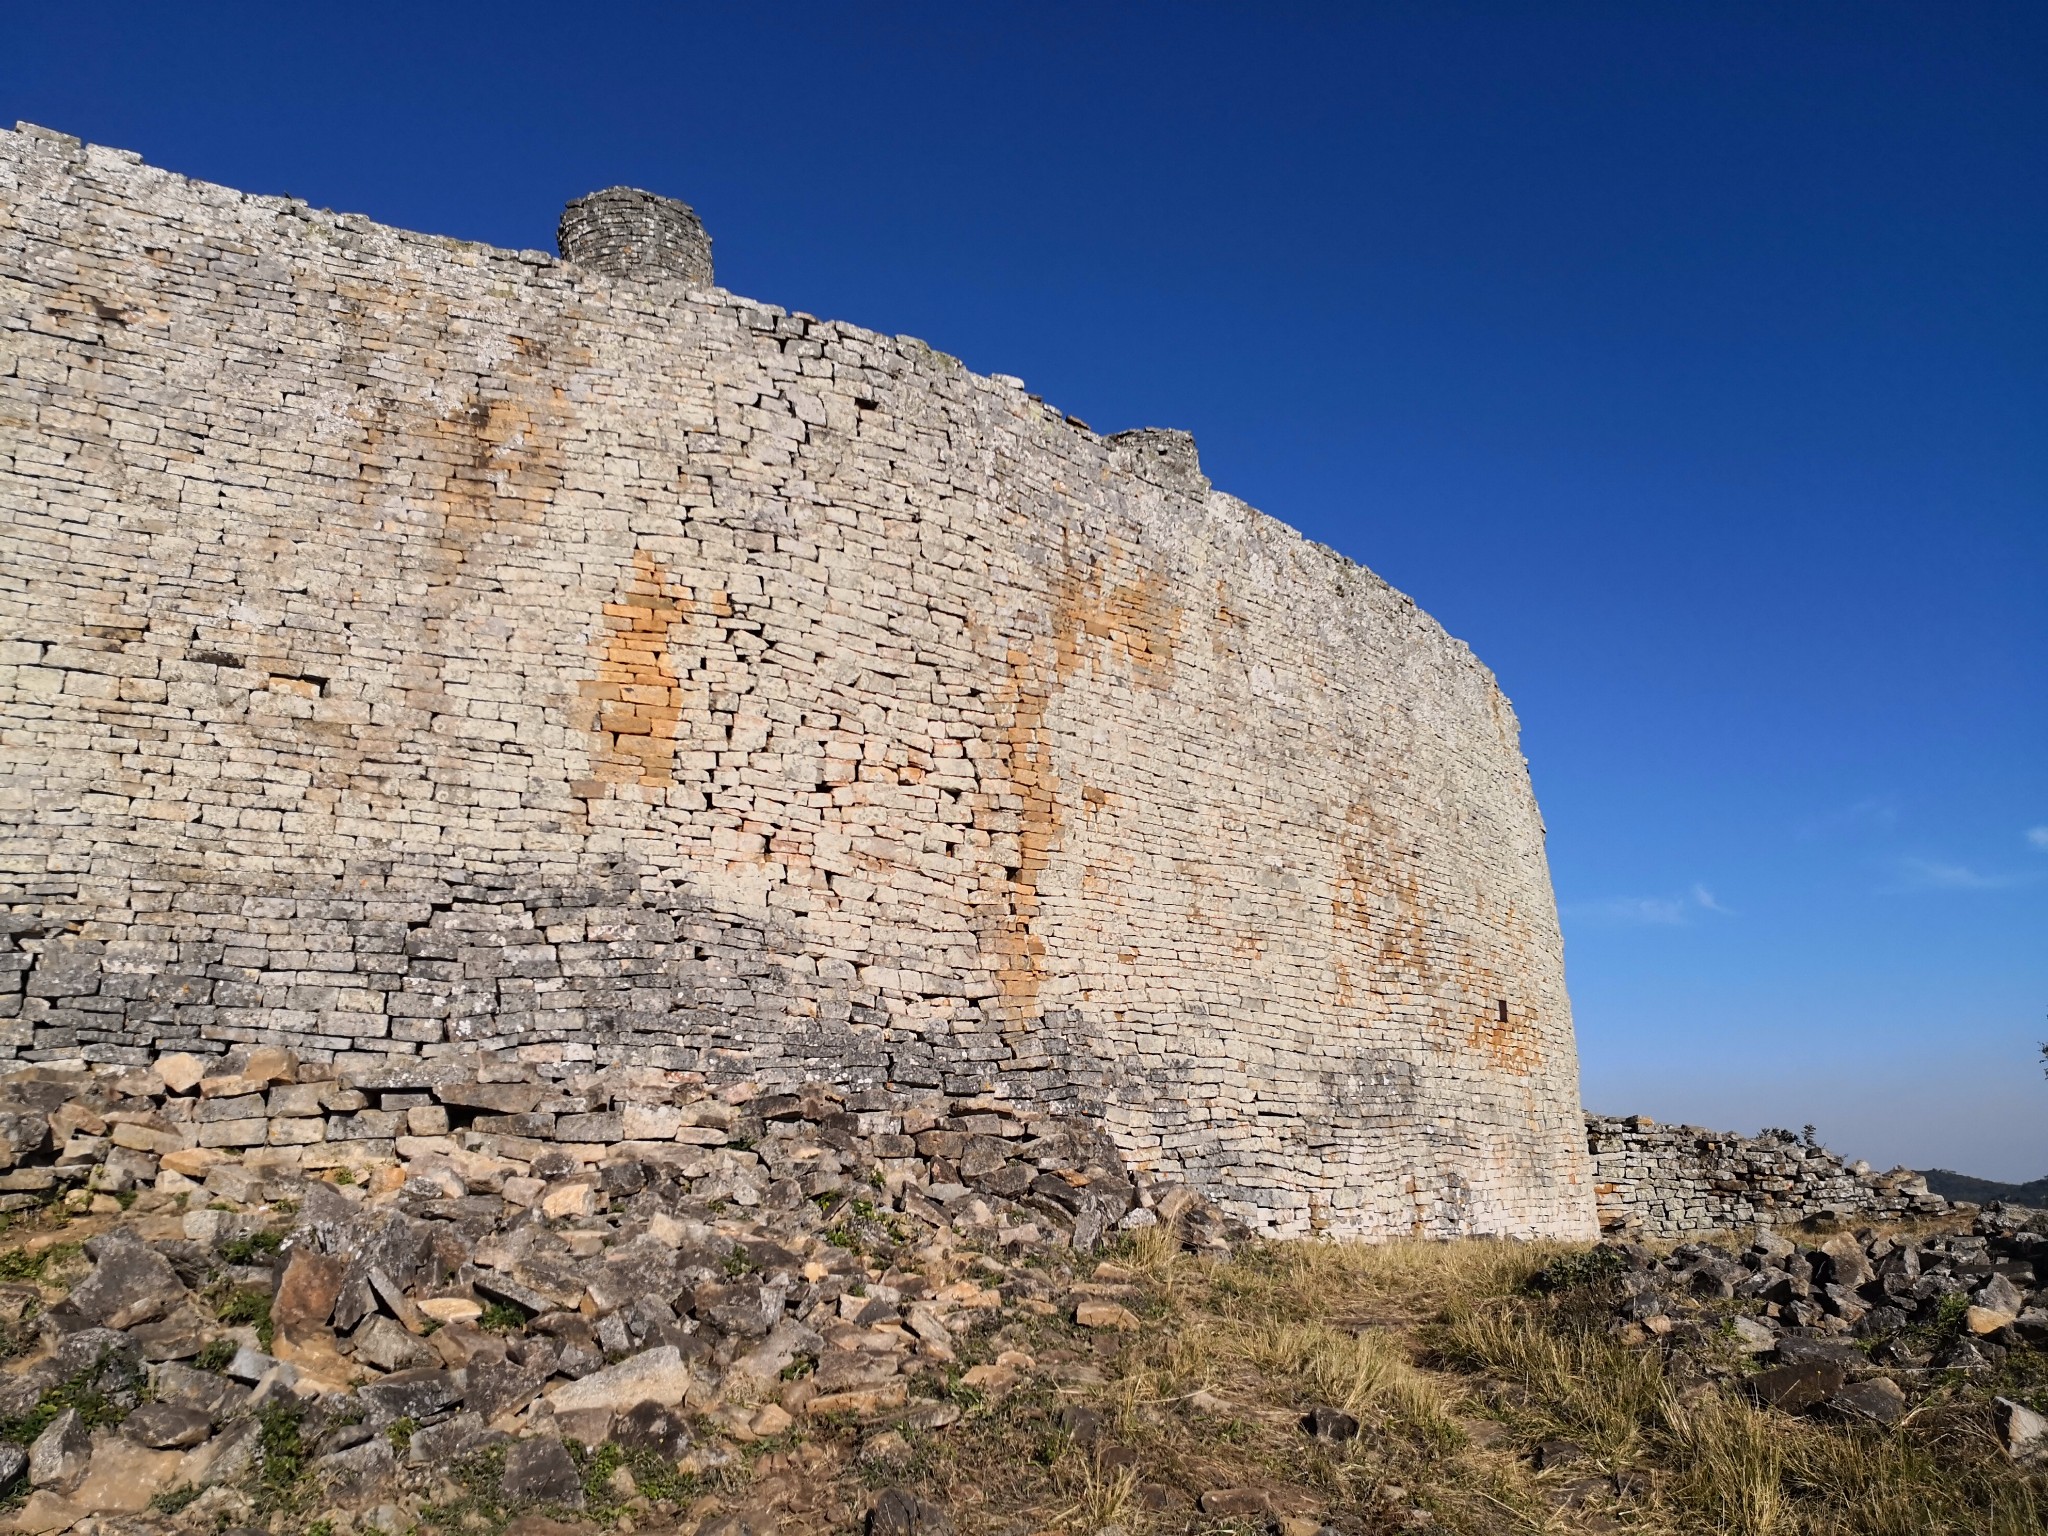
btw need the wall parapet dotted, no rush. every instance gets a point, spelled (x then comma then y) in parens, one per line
(1657, 1180)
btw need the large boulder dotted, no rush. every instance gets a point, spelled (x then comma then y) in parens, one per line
(130, 1283)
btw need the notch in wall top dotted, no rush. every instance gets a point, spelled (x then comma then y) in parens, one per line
(625, 232)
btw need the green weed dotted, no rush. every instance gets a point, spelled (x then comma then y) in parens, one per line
(249, 1309)
(501, 1317)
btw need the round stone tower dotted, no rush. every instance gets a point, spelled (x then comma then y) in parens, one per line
(625, 232)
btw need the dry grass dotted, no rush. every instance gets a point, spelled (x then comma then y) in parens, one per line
(1718, 1464)
(1436, 1345)
(1455, 1368)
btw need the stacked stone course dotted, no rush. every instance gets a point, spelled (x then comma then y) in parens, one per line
(261, 1118)
(421, 650)
(1674, 1180)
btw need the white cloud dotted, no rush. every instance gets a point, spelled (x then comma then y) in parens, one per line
(2038, 836)
(1936, 875)
(1645, 911)
(1876, 813)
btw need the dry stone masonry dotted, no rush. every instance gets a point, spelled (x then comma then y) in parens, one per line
(1671, 1180)
(358, 1284)
(415, 650)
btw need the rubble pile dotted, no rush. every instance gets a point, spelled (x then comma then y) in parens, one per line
(1855, 1325)
(376, 1277)
(1652, 1180)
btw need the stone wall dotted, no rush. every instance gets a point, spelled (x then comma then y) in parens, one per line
(415, 648)
(259, 1116)
(1673, 1180)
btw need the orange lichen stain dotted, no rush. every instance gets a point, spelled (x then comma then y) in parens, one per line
(1381, 906)
(447, 484)
(1379, 893)
(635, 701)
(1346, 995)
(1102, 621)
(1230, 637)
(1509, 1045)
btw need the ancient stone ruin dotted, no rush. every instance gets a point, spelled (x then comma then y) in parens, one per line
(417, 652)
(1652, 1180)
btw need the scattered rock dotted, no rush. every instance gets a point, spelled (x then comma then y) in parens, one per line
(167, 1426)
(1104, 1314)
(130, 1283)
(1332, 1426)
(304, 1301)
(538, 1470)
(180, 1071)
(415, 1395)
(1796, 1388)
(1880, 1400)
(899, 1512)
(452, 1309)
(657, 1376)
(124, 1477)
(1982, 1321)
(2023, 1432)
(57, 1457)
(1236, 1503)
(1549, 1455)
(357, 1474)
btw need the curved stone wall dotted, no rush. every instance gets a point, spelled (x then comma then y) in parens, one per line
(416, 647)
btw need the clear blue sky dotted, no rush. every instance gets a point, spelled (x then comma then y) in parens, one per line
(1687, 360)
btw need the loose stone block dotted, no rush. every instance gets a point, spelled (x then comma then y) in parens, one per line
(234, 1133)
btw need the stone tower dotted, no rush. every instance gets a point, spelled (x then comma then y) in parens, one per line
(624, 232)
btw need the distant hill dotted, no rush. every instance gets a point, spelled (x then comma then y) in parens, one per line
(1951, 1185)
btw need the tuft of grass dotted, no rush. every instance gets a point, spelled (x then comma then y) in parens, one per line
(1101, 1498)
(18, 1265)
(96, 1408)
(479, 1505)
(215, 1356)
(248, 1308)
(1584, 1387)
(175, 1500)
(1363, 1373)
(284, 1447)
(653, 1478)
(249, 1250)
(501, 1317)
(1585, 1267)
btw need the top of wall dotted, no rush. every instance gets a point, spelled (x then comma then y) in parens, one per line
(1164, 458)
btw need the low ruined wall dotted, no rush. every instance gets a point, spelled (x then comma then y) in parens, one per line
(1670, 1180)
(261, 1117)
(414, 648)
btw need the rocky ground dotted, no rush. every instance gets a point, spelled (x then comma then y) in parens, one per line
(1858, 1324)
(811, 1312)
